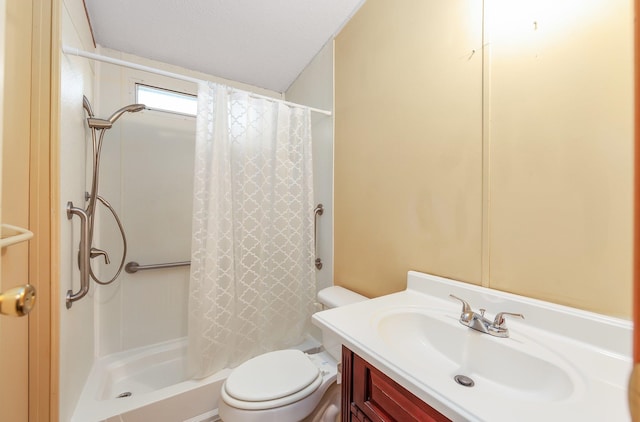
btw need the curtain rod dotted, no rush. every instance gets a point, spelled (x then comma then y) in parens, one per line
(106, 59)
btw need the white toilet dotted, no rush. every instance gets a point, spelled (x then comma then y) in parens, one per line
(286, 385)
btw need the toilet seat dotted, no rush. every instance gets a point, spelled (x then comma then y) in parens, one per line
(300, 404)
(272, 380)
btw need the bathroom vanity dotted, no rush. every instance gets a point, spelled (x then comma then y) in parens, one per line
(370, 395)
(413, 356)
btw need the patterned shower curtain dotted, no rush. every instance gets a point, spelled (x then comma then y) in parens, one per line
(252, 281)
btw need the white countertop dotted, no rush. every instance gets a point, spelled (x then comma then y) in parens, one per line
(587, 356)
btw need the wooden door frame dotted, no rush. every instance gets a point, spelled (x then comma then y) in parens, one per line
(636, 220)
(634, 382)
(43, 211)
(54, 214)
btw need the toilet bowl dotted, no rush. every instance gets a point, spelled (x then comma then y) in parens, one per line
(285, 385)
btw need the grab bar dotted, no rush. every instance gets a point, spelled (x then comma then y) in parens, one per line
(134, 267)
(84, 257)
(319, 210)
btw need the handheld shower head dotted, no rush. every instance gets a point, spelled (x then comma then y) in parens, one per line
(96, 123)
(132, 108)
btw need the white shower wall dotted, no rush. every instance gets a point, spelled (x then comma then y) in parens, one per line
(147, 175)
(76, 324)
(314, 87)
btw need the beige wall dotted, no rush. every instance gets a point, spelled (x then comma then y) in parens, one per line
(408, 147)
(514, 173)
(560, 118)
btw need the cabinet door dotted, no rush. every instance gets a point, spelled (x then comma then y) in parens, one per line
(370, 395)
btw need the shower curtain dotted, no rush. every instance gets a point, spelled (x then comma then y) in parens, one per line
(252, 281)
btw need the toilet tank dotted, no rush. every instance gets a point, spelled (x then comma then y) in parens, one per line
(333, 297)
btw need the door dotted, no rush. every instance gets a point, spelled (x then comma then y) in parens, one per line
(14, 331)
(25, 191)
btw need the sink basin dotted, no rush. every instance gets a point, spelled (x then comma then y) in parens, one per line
(517, 366)
(560, 364)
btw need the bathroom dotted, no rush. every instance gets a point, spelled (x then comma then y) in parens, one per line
(506, 166)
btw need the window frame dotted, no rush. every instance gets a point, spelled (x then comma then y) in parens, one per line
(137, 85)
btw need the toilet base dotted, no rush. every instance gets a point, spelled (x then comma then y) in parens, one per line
(328, 410)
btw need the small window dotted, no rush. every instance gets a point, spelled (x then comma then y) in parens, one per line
(166, 100)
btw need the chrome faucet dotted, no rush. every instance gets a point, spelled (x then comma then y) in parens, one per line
(478, 322)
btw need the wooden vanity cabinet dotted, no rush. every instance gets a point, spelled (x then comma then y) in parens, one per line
(370, 395)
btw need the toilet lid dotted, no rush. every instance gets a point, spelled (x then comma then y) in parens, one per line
(272, 376)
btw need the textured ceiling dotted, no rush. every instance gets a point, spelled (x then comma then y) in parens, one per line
(266, 43)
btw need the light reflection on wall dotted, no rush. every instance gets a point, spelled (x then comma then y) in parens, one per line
(518, 24)
(558, 121)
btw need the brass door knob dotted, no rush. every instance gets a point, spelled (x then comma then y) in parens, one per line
(18, 301)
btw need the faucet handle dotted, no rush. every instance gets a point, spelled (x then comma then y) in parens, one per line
(465, 305)
(499, 321)
(95, 252)
(467, 314)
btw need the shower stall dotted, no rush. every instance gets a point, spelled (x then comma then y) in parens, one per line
(143, 166)
(146, 167)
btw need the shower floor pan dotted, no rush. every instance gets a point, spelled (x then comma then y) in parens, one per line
(147, 382)
(151, 383)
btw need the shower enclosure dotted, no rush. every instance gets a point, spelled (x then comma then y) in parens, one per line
(146, 172)
(140, 320)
